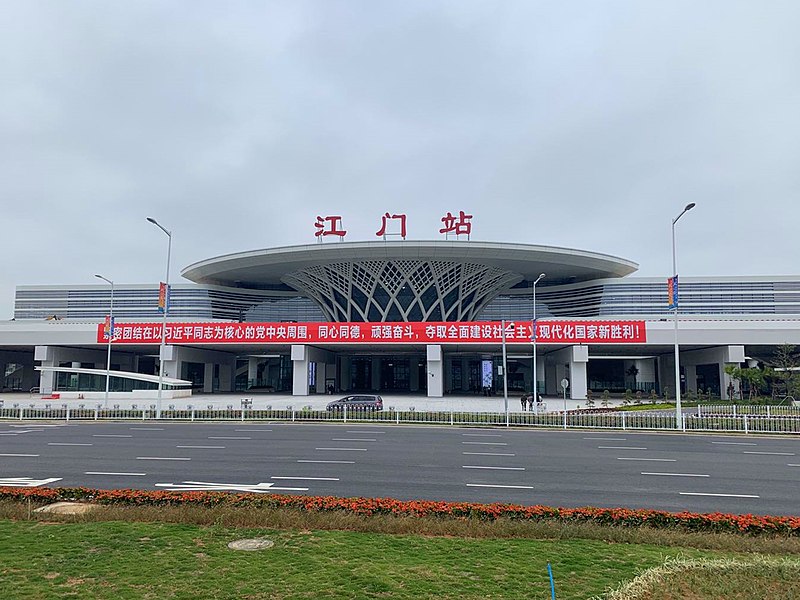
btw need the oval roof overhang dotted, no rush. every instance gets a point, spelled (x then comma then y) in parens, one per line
(267, 267)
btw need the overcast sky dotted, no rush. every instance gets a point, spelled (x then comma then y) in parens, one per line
(576, 124)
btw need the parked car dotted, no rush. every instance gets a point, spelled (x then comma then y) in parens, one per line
(357, 402)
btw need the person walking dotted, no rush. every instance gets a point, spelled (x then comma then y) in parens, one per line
(522, 402)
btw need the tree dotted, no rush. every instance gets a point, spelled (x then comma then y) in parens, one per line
(755, 380)
(786, 369)
(735, 373)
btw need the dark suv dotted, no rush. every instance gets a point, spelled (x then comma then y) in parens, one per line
(358, 402)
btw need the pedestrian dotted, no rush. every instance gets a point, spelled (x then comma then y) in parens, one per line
(530, 402)
(522, 401)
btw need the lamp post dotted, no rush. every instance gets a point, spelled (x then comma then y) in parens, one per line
(505, 367)
(110, 333)
(164, 324)
(533, 329)
(678, 411)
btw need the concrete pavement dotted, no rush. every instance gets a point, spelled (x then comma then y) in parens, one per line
(458, 403)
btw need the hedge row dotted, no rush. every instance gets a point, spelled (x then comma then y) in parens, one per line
(621, 517)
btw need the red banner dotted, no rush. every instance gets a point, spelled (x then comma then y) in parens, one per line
(517, 332)
(163, 296)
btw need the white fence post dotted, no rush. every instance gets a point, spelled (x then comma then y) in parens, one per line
(623, 420)
(744, 417)
(68, 414)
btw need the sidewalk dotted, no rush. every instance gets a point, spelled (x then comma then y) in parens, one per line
(458, 403)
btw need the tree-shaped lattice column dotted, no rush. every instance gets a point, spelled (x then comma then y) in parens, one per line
(401, 290)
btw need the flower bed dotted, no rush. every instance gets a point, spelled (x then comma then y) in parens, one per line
(620, 517)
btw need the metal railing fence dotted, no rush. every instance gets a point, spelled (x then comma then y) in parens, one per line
(779, 419)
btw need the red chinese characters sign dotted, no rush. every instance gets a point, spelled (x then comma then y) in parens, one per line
(547, 332)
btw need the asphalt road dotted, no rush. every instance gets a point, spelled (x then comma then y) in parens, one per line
(702, 473)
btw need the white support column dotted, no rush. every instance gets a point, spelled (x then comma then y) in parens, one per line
(252, 369)
(731, 355)
(435, 371)
(208, 378)
(46, 356)
(299, 370)
(579, 357)
(171, 362)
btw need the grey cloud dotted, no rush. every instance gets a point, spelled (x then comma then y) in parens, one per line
(579, 124)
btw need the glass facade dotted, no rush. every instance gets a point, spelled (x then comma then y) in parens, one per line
(628, 297)
(646, 298)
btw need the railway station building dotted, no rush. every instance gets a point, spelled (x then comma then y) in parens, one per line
(423, 317)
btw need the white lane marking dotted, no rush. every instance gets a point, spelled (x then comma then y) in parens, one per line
(718, 495)
(369, 432)
(737, 443)
(354, 440)
(677, 474)
(493, 468)
(27, 430)
(112, 473)
(246, 430)
(208, 447)
(258, 488)
(308, 478)
(8, 434)
(489, 453)
(621, 448)
(607, 439)
(26, 481)
(34, 455)
(792, 465)
(514, 487)
(68, 444)
(220, 437)
(483, 434)
(651, 459)
(335, 462)
(486, 443)
(769, 453)
(345, 449)
(146, 428)
(162, 458)
(114, 435)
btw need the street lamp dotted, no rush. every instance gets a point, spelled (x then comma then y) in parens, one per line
(535, 383)
(505, 365)
(110, 333)
(164, 324)
(678, 412)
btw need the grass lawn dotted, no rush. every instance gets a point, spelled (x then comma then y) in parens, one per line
(165, 560)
